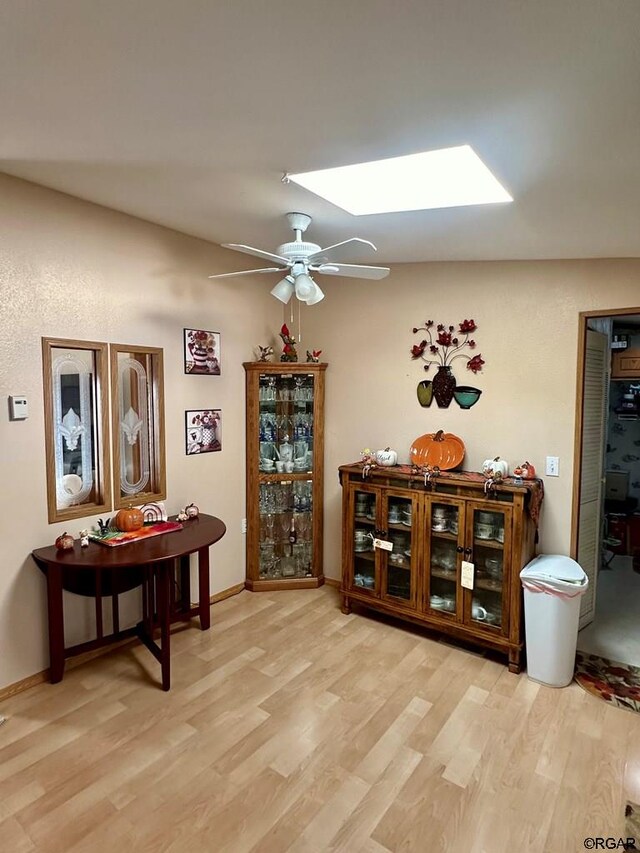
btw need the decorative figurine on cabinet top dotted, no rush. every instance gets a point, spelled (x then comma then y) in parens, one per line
(289, 345)
(495, 466)
(182, 515)
(192, 511)
(265, 353)
(313, 356)
(387, 457)
(84, 538)
(528, 471)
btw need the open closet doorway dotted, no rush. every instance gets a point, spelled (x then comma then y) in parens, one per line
(606, 496)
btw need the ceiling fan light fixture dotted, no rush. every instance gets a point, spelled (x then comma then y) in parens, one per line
(304, 286)
(284, 289)
(316, 296)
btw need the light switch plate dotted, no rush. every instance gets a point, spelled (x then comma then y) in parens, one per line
(553, 466)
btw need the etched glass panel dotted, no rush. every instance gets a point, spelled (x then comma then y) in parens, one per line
(138, 430)
(74, 426)
(134, 437)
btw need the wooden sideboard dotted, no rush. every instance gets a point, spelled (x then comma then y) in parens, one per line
(433, 528)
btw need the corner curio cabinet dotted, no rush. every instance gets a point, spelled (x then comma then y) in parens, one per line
(285, 455)
(406, 543)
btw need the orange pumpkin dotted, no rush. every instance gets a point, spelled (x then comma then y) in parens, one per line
(129, 519)
(442, 449)
(528, 471)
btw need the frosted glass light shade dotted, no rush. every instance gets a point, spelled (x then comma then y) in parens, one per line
(284, 289)
(316, 296)
(305, 286)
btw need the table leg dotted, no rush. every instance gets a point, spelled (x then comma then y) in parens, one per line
(56, 623)
(204, 602)
(163, 581)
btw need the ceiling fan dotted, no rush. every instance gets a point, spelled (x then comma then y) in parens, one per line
(299, 258)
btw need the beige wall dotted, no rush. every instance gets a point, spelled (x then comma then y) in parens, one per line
(76, 270)
(72, 269)
(527, 316)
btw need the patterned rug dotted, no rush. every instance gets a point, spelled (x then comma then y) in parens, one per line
(618, 683)
(632, 824)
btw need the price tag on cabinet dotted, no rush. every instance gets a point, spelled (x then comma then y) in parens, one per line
(466, 575)
(383, 544)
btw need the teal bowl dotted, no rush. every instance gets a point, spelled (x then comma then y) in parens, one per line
(466, 396)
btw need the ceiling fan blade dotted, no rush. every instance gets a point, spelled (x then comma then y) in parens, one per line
(258, 253)
(352, 270)
(326, 253)
(247, 272)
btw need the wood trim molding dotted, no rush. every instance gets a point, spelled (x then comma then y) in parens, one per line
(333, 582)
(226, 593)
(42, 677)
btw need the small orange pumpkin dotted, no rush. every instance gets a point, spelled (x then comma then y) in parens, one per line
(129, 519)
(442, 449)
(528, 471)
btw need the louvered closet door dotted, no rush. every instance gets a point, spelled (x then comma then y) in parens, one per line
(596, 380)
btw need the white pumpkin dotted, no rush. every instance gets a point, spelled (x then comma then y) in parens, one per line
(386, 457)
(495, 466)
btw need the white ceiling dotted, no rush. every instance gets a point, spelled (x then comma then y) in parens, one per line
(187, 112)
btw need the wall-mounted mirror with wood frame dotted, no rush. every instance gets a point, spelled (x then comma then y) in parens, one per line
(76, 412)
(137, 424)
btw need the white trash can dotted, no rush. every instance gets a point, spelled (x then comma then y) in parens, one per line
(553, 586)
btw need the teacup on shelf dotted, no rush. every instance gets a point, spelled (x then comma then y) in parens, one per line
(483, 530)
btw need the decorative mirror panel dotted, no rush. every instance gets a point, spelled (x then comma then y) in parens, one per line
(76, 428)
(137, 411)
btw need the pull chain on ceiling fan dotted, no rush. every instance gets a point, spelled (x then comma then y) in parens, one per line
(298, 258)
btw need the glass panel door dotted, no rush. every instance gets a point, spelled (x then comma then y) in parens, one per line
(445, 531)
(285, 423)
(398, 575)
(489, 529)
(286, 530)
(365, 513)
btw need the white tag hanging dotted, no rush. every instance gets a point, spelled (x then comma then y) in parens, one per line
(467, 574)
(383, 544)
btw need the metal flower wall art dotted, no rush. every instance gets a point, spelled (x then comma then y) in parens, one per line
(441, 346)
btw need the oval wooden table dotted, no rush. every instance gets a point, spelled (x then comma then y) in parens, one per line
(100, 570)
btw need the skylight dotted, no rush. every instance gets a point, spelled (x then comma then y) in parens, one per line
(449, 177)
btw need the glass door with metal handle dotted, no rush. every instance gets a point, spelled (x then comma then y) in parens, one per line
(488, 547)
(364, 529)
(398, 565)
(445, 532)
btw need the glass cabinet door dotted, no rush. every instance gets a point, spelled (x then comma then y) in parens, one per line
(286, 530)
(365, 514)
(398, 573)
(489, 531)
(445, 532)
(285, 423)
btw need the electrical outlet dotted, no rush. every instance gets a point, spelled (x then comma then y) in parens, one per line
(553, 466)
(243, 525)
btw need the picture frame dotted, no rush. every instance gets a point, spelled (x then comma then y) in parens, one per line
(202, 354)
(202, 431)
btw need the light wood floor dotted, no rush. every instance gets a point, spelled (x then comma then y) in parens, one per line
(290, 726)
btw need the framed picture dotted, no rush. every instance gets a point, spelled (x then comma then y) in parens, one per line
(202, 352)
(203, 431)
